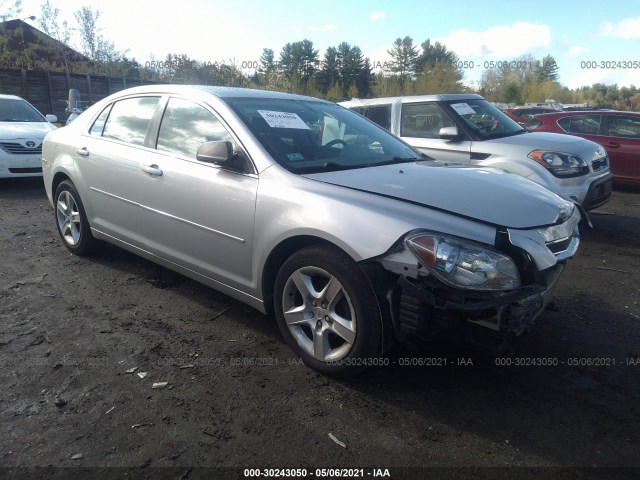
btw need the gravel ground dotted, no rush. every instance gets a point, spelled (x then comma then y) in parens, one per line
(72, 328)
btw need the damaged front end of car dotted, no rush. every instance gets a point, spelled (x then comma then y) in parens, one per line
(436, 282)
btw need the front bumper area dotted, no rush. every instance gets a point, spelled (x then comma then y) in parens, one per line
(421, 308)
(20, 165)
(599, 193)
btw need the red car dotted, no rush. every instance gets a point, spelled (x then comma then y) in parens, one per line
(618, 132)
(522, 114)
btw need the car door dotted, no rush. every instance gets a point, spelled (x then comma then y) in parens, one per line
(108, 160)
(623, 146)
(198, 215)
(420, 125)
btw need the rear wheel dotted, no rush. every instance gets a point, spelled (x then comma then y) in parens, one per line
(327, 311)
(71, 220)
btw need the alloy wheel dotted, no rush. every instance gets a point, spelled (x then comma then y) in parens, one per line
(319, 313)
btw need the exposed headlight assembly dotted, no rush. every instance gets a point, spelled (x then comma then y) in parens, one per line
(562, 165)
(462, 264)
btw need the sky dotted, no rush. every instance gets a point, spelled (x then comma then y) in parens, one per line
(591, 41)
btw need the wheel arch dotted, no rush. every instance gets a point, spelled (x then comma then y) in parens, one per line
(288, 247)
(58, 178)
(276, 258)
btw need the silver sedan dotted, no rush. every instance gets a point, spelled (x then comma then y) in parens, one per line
(306, 211)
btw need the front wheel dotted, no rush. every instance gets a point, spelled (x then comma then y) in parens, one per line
(71, 220)
(327, 311)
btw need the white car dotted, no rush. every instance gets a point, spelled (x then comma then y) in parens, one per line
(465, 128)
(22, 130)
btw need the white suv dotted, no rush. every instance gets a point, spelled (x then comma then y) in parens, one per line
(465, 128)
(22, 130)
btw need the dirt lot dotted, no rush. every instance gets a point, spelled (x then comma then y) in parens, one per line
(71, 327)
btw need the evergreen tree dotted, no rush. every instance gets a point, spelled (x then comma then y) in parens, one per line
(436, 55)
(299, 61)
(404, 59)
(547, 70)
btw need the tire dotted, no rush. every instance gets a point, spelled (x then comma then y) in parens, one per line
(71, 220)
(327, 311)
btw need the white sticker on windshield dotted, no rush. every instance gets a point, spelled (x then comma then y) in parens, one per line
(463, 108)
(283, 120)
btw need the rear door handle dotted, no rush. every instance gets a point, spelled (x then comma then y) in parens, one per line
(613, 145)
(152, 170)
(83, 152)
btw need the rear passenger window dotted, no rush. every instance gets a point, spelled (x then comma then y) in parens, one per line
(381, 115)
(424, 120)
(129, 119)
(186, 125)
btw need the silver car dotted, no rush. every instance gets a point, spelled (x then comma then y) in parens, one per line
(304, 210)
(465, 128)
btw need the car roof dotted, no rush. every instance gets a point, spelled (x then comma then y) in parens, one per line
(535, 108)
(10, 97)
(576, 113)
(354, 102)
(221, 92)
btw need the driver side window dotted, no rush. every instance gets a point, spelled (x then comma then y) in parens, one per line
(186, 125)
(424, 121)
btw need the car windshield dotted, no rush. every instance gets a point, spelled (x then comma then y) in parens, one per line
(17, 110)
(307, 136)
(485, 120)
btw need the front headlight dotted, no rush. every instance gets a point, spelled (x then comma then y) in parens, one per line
(464, 264)
(560, 164)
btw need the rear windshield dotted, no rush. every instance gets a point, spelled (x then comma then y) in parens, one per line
(307, 136)
(17, 110)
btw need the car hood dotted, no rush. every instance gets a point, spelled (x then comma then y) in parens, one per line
(488, 195)
(547, 141)
(16, 130)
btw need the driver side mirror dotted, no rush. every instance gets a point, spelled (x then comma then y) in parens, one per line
(449, 133)
(221, 153)
(215, 152)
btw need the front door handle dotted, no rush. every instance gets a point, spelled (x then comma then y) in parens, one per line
(613, 145)
(83, 152)
(152, 170)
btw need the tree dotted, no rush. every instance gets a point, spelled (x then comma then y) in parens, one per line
(351, 69)
(329, 71)
(267, 63)
(404, 58)
(266, 67)
(547, 69)
(344, 75)
(50, 24)
(299, 61)
(512, 93)
(90, 37)
(360, 69)
(514, 81)
(442, 77)
(94, 45)
(10, 10)
(436, 55)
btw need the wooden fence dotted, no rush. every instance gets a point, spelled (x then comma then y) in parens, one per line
(48, 91)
